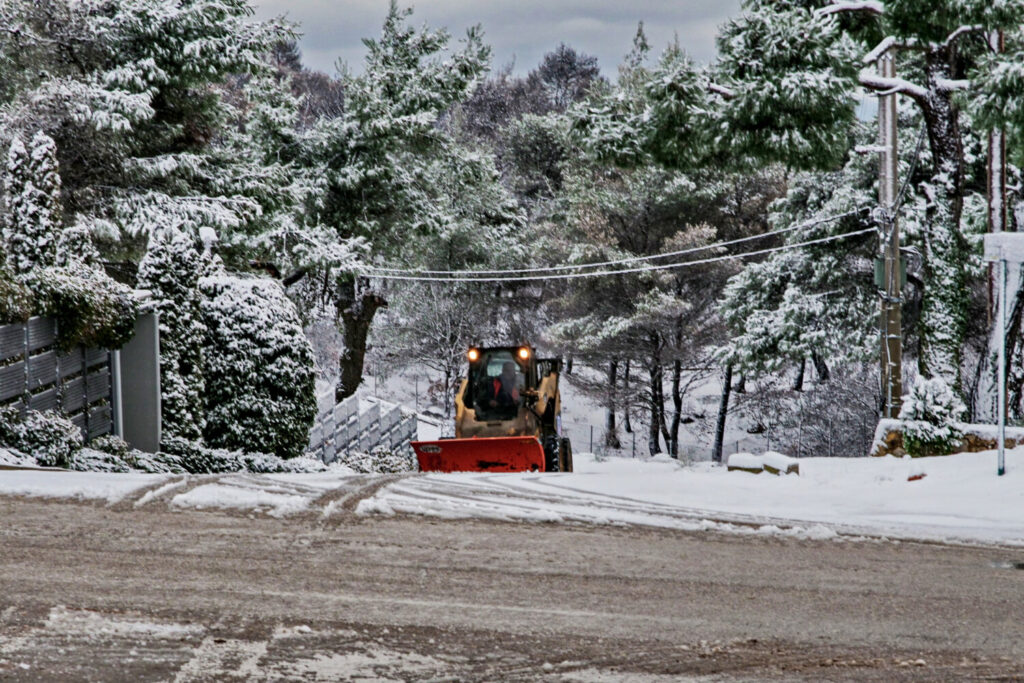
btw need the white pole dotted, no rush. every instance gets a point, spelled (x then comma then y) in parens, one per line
(1002, 366)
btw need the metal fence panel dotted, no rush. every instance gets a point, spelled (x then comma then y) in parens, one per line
(12, 340)
(36, 376)
(42, 370)
(42, 332)
(46, 400)
(12, 380)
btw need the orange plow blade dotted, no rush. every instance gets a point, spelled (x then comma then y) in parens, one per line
(489, 454)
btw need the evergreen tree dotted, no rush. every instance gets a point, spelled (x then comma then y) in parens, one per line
(260, 381)
(944, 54)
(376, 163)
(144, 130)
(32, 187)
(170, 270)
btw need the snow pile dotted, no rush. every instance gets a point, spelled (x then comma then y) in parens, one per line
(77, 485)
(746, 461)
(246, 498)
(276, 495)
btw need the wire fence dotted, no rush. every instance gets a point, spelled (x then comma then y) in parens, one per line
(590, 438)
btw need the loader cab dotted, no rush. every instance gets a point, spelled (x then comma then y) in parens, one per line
(498, 381)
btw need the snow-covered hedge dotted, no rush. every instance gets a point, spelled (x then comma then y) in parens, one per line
(380, 460)
(170, 271)
(15, 297)
(49, 437)
(199, 459)
(90, 308)
(259, 371)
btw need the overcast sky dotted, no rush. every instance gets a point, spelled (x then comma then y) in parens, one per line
(519, 31)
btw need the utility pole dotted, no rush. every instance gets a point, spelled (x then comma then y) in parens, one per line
(996, 179)
(997, 224)
(891, 314)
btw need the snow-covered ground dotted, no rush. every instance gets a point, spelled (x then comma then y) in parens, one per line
(103, 486)
(959, 498)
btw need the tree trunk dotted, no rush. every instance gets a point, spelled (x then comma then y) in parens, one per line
(820, 367)
(677, 408)
(944, 305)
(447, 393)
(626, 424)
(741, 385)
(662, 423)
(798, 383)
(654, 434)
(356, 307)
(611, 432)
(723, 409)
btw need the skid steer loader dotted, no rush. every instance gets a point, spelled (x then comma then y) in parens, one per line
(508, 417)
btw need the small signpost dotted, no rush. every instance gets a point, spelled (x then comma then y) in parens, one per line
(1003, 248)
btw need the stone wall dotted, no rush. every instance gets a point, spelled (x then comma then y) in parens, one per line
(977, 438)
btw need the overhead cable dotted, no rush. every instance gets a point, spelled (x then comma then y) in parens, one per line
(600, 264)
(623, 271)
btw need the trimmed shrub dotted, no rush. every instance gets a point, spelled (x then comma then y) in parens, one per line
(380, 460)
(32, 192)
(49, 437)
(170, 270)
(929, 418)
(260, 376)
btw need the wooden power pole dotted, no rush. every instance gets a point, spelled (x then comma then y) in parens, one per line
(891, 313)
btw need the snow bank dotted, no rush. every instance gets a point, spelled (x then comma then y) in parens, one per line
(277, 495)
(769, 461)
(952, 498)
(78, 485)
(959, 499)
(746, 461)
(224, 496)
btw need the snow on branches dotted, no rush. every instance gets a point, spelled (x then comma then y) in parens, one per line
(170, 271)
(259, 372)
(32, 190)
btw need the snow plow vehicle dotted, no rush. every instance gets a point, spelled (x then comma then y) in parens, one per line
(508, 417)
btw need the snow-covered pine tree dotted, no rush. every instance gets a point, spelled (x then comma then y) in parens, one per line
(32, 189)
(141, 115)
(375, 162)
(258, 366)
(431, 326)
(170, 270)
(814, 303)
(942, 51)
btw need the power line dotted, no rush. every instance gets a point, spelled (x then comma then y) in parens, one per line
(633, 259)
(624, 271)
